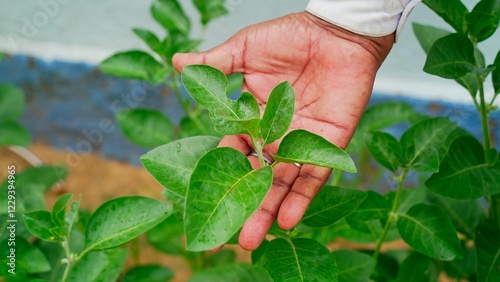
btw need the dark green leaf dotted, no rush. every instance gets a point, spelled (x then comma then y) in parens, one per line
(220, 258)
(144, 127)
(223, 192)
(210, 9)
(13, 133)
(428, 230)
(451, 11)
(120, 220)
(408, 199)
(241, 272)
(464, 174)
(300, 260)
(99, 266)
(332, 204)
(40, 224)
(300, 146)
(28, 259)
(172, 164)
(150, 39)
(148, 273)
(488, 253)
(372, 207)
(386, 268)
(279, 113)
(58, 214)
(446, 60)
(198, 124)
(167, 236)
(462, 268)
(170, 15)
(495, 75)
(482, 21)
(354, 266)
(134, 65)
(417, 268)
(427, 35)
(11, 102)
(385, 149)
(259, 254)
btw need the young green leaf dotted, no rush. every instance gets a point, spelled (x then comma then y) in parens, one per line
(72, 216)
(417, 267)
(120, 220)
(135, 65)
(451, 11)
(210, 9)
(385, 149)
(464, 174)
(14, 134)
(150, 39)
(427, 35)
(99, 266)
(241, 272)
(300, 146)
(279, 113)
(148, 273)
(171, 16)
(495, 74)
(482, 21)
(373, 207)
(428, 230)
(172, 164)
(58, 214)
(223, 192)
(332, 204)
(354, 266)
(207, 85)
(167, 236)
(300, 260)
(246, 121)
(11, 103)
(29, 259)
(144, 127)
(488, 253)
(40, 224)
(447, 61)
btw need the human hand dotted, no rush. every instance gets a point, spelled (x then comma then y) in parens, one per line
(332, 72)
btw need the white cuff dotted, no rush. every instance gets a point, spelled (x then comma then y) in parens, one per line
(366, 17)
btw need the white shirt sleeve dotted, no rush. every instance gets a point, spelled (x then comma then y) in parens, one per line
(366, 17)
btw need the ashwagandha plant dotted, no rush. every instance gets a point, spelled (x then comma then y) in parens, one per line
(148, 127)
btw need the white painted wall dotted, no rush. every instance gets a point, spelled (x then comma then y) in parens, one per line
(91, 30)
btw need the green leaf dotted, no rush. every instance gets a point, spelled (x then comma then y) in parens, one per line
(28, 258)
(198, 124)
(120, 220)
(482, 21)
(207, 85)
(178, 43)
(372, 207)
(246, 118)
(241, 272)
(144, 127)
(135, 65)
(427, 35)
(385, 149)
(417, 268)
(210, 9)
(488, 253)
(279, 113)
(300, 260)
(45, 175)
(40, 224)
(428, 230)
(409, 198)
(259, 254)
(11, 102)
(426, 143)
(172, 164)
(464, 174)
(354, 266)
(167, 236)
(13, 133)
(462, 268)
(99, 266)
(495, 75)
(150, 39)
(451, 11)
(220, 258)
(386, 268)
(171, 16)
(300, 146)
(332, 204)
(223, 192)
(235, 82)
(58, 214)
(148, 273)
(72, 216)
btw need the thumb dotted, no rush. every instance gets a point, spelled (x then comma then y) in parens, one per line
(227, 57)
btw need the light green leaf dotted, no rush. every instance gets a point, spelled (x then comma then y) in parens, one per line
(58, 214)
(167, 236)
(150, 39)
(451, 11)
(210, 9)
(148, 273)
(99, 266)
(300, 260)
(223, 192)
(372, 207)
(171, 16)
(13, 133)
(120, 220)
(447, 61)
(279, 113)
(354, 266)
(385, 149)
(235, 82)
(428, 230)
(488, 253)
(144, 127)
(241, 272)
(11, 103)
(246, 120)
(417, 267)
(28, 258)
(178, 43)
(495, 75)
(464, 174)
(172, 164)
(135, 65)
(300, 146)
(332, 204)
(72, 216)
(40, 224)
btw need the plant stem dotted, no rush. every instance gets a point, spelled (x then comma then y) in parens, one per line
(483, 111)
(69, 260)
(392, 217)
(258, 149)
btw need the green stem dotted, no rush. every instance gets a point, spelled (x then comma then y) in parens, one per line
(392, 217)
(69, 260)
(258, 149)
(483, 111)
